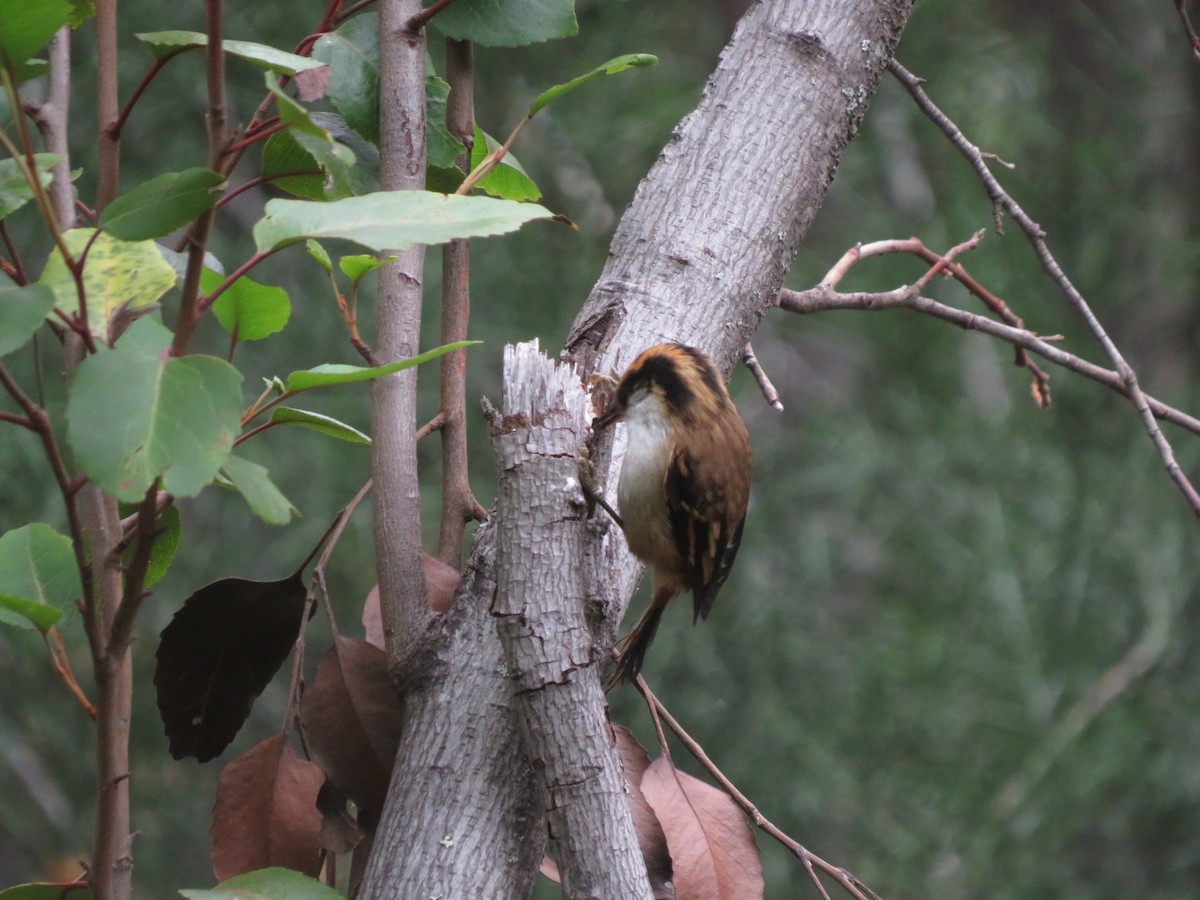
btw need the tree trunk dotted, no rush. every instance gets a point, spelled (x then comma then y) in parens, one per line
(698, 258)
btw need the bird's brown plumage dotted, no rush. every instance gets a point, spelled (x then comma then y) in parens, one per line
(684, 484)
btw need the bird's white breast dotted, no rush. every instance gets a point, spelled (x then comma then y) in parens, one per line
(640, 490)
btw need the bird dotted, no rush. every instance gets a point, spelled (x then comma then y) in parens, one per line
(684, 483)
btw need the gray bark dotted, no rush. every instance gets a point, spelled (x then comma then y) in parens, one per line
(544, 620)
(698, 258)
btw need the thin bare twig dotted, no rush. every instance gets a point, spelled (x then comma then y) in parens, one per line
(820, 298)
(848, 882)
(1005, 204)
(1041, 380)
(421, 19)
(1181, 7)
(770, 394)
(62, 668)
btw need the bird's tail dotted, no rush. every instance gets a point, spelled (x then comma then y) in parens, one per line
(635, 644)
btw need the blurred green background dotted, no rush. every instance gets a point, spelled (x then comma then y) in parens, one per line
(956, 655)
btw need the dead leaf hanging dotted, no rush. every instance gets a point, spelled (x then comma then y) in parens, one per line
(218, 653)
(266, 812)
(352, 718)
(712, 845)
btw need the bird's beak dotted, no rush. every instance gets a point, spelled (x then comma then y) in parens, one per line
(606, 418)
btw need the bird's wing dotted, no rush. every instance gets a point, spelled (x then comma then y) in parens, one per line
(706, 539)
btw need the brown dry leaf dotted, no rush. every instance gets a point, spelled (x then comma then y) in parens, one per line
(441, 581)
(651, 839)
(352, 718)
(266, 812)
(339, 832)
(712, 844)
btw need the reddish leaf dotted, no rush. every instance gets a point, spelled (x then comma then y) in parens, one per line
(549, 868)
(339, 832)
(311, 84)
(352, 718)
(712, 845)
(441, 581)
(218, 653)
(266, 812)
(651, 839)
(372, 619)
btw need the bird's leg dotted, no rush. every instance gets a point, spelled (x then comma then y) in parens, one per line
(593, 494)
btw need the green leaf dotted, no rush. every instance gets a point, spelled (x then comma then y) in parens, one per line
(135, 414)
(508, 180)
(38, 575)
(255, 485)
(23, 613)
(315, 144)
(281, 155)
(31, 69)
(28, 27)
(81, 11)
(284, 415)
(248, 309)
(352, 53)
(121, 278)
(355, 267)
(335, 373)
(612, 67)
(15, 189)
(168, 43)
(162, 204)
(508, 23)
(267, 884)
(391, 220)
(320, 254)
(22, 311)
(45, 892)
(334, 157)
(169, 528)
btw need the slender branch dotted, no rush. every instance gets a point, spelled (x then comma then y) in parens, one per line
(107, 103)
(249, 140)
(114, 129)
(15, 270)
(459, 505)
(1041, 386)
(352, 10)
(145, 533)
(51, 118)
(492, 160)
(62, 668)
(1181, 7)
(421, 19)
(821, 298)
(204, 304)
(260, 180)
(14, 419)
(810, 860)
(1002, 202)
(770, 394)
(26, 161)
(189, 307)
(402, 591)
